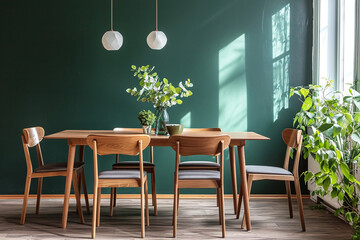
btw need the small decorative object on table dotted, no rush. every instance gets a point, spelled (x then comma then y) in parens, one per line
(160, 92)
(174, 129)
(146, 118)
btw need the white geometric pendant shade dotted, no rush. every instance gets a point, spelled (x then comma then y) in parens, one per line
(156, 40)
(112, 40)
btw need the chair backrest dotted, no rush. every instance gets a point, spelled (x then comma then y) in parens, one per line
(293, 139)
(126, 144)
(129, 144)
(131, 131)
(202, 129)
(31, 137)
(128, 130)
(204, 145)
(199, 145)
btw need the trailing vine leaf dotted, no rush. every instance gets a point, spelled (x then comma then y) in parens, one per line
(346, 171)
(325, 126)
(304, 92)
(307, 104)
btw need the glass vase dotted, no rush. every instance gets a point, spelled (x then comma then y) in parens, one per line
(162, 118)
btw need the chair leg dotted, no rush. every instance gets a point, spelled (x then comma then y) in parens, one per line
(85, 190)
(94, 211)
(98, 208)
(40, 181)
(111, 211)
(146, 204)
(26, 196)
(288, 192)
(250, 178)
(222, 203)
(239, 203)
(178, 200)
(153, 192)
(218, 198)
(77, 196)
(175, 210)
(299, 200)
(115, 192)
(142, 212)
(79, 187)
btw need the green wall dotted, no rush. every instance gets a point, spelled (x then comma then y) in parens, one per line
(55, 73)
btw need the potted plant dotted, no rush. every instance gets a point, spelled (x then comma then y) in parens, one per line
(334, 142)
(146, 118)
(160, 92)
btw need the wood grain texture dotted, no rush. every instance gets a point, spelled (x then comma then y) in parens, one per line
(198, 219)
(125, 144)
(79, 136)
(199, 145)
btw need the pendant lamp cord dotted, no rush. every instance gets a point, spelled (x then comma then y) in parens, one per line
(156, 15)
(111, 22)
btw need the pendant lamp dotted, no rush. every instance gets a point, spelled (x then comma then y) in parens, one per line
(156, 39)
(112, 40)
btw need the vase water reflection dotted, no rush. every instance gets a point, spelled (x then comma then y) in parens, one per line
(162, 118)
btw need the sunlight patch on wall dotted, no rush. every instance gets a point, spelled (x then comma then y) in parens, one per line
(281, 59)
(232, 86)
(186, 120)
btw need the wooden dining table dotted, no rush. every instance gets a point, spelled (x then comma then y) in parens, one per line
(238, 139)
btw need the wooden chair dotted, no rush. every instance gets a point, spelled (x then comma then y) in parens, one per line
(200, 164)
(293, 139)
(31, 137)
(133, 145)
(149, 167)
(201, 178)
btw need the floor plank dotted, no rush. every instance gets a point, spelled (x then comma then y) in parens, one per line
(198, 219)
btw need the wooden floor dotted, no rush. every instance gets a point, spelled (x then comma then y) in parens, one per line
(198, 219)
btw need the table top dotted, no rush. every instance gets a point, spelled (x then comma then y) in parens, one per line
(78, 137)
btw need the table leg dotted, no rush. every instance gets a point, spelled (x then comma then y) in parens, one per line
(244, 187)
(81, 159)
(233, 175)
(70, 169)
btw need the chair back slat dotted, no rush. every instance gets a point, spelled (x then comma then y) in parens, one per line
(292, 137)
(193, 145)
(129, 130)
(126, 144)
(33, 136)
(202, 130)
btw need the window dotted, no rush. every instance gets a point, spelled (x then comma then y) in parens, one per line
(336, 42)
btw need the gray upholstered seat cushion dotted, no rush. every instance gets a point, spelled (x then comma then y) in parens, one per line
(254, 169)
(199, 175)
(57, 167)
(207, 164)
(132, 164)
(120, 174)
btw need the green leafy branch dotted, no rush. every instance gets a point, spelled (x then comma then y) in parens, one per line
(160, 92)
